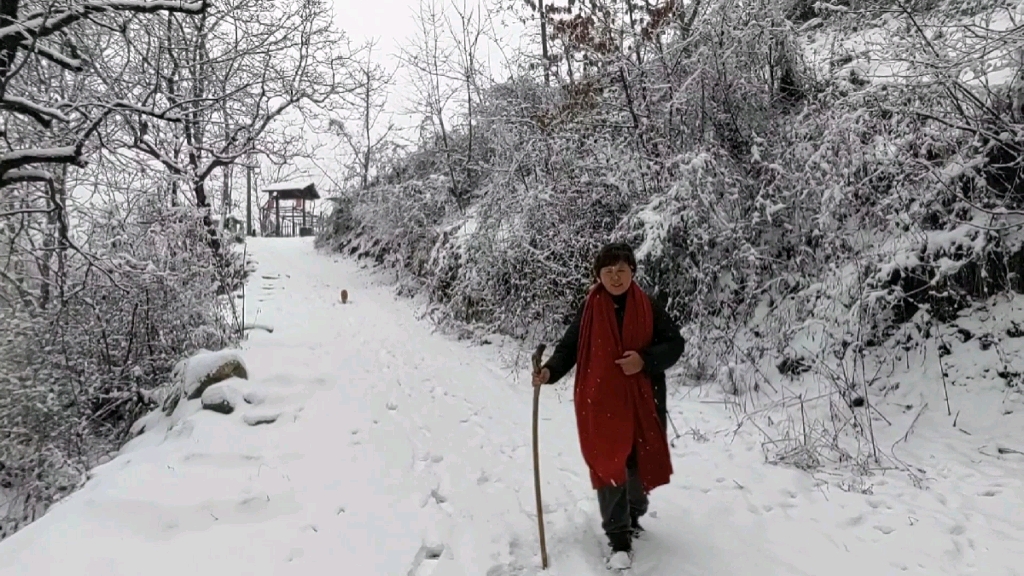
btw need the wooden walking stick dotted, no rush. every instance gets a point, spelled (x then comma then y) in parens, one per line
(537, 357)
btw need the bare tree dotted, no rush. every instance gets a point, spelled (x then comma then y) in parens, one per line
(538, 7)
(244, 76)
(444, 60)
(466, 32)
(38, 50)
(367, 102)
(427, 58)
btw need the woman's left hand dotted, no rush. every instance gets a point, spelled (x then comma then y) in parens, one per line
(631, 363)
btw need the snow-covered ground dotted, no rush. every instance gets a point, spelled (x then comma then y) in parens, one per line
(397, 451)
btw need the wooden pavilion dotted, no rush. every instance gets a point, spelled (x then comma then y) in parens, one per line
(293, 218)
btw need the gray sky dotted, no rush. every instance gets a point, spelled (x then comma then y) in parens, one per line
(393, 25)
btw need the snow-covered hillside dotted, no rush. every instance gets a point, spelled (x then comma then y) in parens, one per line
(396, 451)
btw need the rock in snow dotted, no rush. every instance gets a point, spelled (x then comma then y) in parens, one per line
(222, 398)
(192, 376)
(208, 368)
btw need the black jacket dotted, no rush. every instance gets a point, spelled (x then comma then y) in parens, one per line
(665, 349)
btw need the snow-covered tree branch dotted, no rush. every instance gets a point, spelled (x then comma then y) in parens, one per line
(38, 50)
(240, 79)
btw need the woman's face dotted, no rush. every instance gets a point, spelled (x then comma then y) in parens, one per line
(616, 279)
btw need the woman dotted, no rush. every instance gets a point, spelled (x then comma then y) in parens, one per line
(622, 343)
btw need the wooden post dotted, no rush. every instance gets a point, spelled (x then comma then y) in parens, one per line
(277, 213)
(538, 357)
(248, 201)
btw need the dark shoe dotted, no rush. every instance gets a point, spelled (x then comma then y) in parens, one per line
(634, 526)
(621, 542)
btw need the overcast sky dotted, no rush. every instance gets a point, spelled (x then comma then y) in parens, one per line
(392, 24)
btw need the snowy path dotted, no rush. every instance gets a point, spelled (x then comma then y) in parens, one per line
(397, 451)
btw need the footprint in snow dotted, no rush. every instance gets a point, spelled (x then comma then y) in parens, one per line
(254, 397)
(220, 460)
(436, 496)
(260, 418)
(570, 473)
(884, 529)
(425, 559)
(253, 504)
(877, 503)
(507, 570)
(854, 521)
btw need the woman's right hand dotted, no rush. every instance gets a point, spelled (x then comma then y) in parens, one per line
(541, 377)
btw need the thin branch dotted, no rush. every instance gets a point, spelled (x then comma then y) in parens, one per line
(43, 23)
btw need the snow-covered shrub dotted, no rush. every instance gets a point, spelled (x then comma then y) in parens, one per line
(340, 224)
(395, 225)
(795, 214)
(526, 270)
(132, 297)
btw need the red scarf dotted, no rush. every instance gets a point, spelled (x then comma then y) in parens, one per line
(615, 412)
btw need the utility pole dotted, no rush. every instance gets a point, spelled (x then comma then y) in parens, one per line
(248, 199)
(544, 44)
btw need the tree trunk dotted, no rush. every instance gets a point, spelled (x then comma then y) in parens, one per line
(544, 43)
(367, 110)
(225, 195)
(203, 203)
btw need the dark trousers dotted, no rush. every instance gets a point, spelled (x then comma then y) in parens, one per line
(620, 504)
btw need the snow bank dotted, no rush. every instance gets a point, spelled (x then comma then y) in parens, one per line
(395, 451)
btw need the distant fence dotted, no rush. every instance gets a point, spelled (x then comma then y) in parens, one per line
(293, 222)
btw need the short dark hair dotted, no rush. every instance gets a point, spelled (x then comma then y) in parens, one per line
(612, 254)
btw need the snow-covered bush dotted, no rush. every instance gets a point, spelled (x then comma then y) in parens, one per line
(795, 209)
(341, 223)
(525, 271)
(134, 295)
(395, 225)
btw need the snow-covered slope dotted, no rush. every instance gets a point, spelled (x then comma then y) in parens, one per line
(396, 451)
